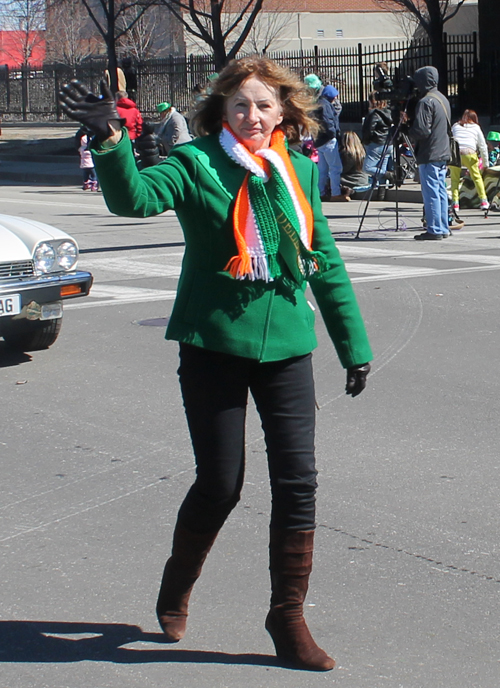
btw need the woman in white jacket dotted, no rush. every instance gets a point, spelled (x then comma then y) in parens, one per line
(470, 138)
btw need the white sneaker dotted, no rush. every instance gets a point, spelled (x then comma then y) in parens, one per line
(484, 204)
(456, 207)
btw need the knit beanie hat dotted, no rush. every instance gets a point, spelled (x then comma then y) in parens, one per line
(313, 82)
(493, 136)
(330, 92)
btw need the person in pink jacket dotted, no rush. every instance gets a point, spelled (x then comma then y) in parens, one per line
(90, 182)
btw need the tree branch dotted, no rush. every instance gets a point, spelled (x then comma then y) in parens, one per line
(239, 18)
(248, 26)
(94, 19)
(454, 12)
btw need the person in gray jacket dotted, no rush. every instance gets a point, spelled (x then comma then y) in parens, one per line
(173, 128)
(430, 131)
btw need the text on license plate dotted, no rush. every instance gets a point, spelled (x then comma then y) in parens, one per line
(10, 305)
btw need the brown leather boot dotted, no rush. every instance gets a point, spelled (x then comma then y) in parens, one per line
(290, 565)
(189, 551)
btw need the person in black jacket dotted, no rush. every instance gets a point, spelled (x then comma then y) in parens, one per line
(329, 162)
(130, 78)
(146, 145)
(374, 136)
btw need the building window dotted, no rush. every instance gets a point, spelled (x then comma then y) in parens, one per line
(339, 33)
(320, 33)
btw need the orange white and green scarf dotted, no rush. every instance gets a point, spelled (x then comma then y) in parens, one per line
(265, 223)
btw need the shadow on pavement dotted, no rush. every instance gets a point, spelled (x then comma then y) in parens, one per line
(135, 247)
(10, 357)
(58, 641)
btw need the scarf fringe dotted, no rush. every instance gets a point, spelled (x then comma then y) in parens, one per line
(252, 267)
(269, 269)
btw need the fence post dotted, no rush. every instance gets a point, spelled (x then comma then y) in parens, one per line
(316, 59)
(360, 79)
(460, 83)
(24, 91)
(56, 94)
(7, 85)
(444, 80)
(4, 78)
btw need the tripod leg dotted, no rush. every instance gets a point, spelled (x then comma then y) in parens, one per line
(391, 135)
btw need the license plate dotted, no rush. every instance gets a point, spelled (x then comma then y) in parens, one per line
(10, 305)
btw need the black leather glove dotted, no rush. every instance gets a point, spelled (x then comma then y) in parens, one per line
(80, 104)
(356, 379)
(147, 146)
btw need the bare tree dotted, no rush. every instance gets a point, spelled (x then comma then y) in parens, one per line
(222, 26)
(143, 41)
(408, 23)
(25, 19)
(268, 29)
(431, 15)
(113, 19)
(69, 35)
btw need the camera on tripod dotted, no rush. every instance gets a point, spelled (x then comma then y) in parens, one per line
(402, 96)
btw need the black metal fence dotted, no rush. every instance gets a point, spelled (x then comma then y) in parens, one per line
(30, 93)
(487, 87)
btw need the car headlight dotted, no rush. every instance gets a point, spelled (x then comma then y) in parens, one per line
(67, 255)
(44, 257)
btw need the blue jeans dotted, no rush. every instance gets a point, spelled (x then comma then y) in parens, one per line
(433, 184)
(329, 167)
(372, 160)
(89, 174)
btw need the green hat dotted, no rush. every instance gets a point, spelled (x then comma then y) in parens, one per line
(493, 136)
(313, 82)
(161, 107)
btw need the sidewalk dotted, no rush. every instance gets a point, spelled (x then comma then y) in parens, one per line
(59, 170)
(30, 153)
(39, 153)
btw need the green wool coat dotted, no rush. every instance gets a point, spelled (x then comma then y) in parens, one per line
(258, 320)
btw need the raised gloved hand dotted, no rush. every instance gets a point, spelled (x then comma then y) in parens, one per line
(356, 379)
(98, 114)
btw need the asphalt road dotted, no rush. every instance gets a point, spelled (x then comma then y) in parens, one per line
(96, 458)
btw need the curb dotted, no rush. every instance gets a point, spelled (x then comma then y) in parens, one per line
(41, 179)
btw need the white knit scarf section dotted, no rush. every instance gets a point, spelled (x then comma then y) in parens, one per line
(237, 152)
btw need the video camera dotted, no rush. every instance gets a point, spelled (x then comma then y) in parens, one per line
(399, 95)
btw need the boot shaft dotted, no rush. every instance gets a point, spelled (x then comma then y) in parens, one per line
(290, 565)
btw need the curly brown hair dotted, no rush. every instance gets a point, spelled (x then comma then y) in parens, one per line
(295, 98)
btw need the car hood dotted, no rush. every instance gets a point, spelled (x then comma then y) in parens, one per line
(19, 237)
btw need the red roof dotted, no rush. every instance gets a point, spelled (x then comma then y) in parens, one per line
(12, 47)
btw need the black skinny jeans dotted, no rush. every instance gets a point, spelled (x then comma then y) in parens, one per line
(215, 392)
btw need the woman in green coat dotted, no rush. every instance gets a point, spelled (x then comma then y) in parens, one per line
(255, 236)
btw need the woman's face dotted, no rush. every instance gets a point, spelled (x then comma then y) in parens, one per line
(253, 112)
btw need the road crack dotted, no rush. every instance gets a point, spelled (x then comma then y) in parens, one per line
(441, 565)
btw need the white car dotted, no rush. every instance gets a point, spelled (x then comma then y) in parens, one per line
(37, 273)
